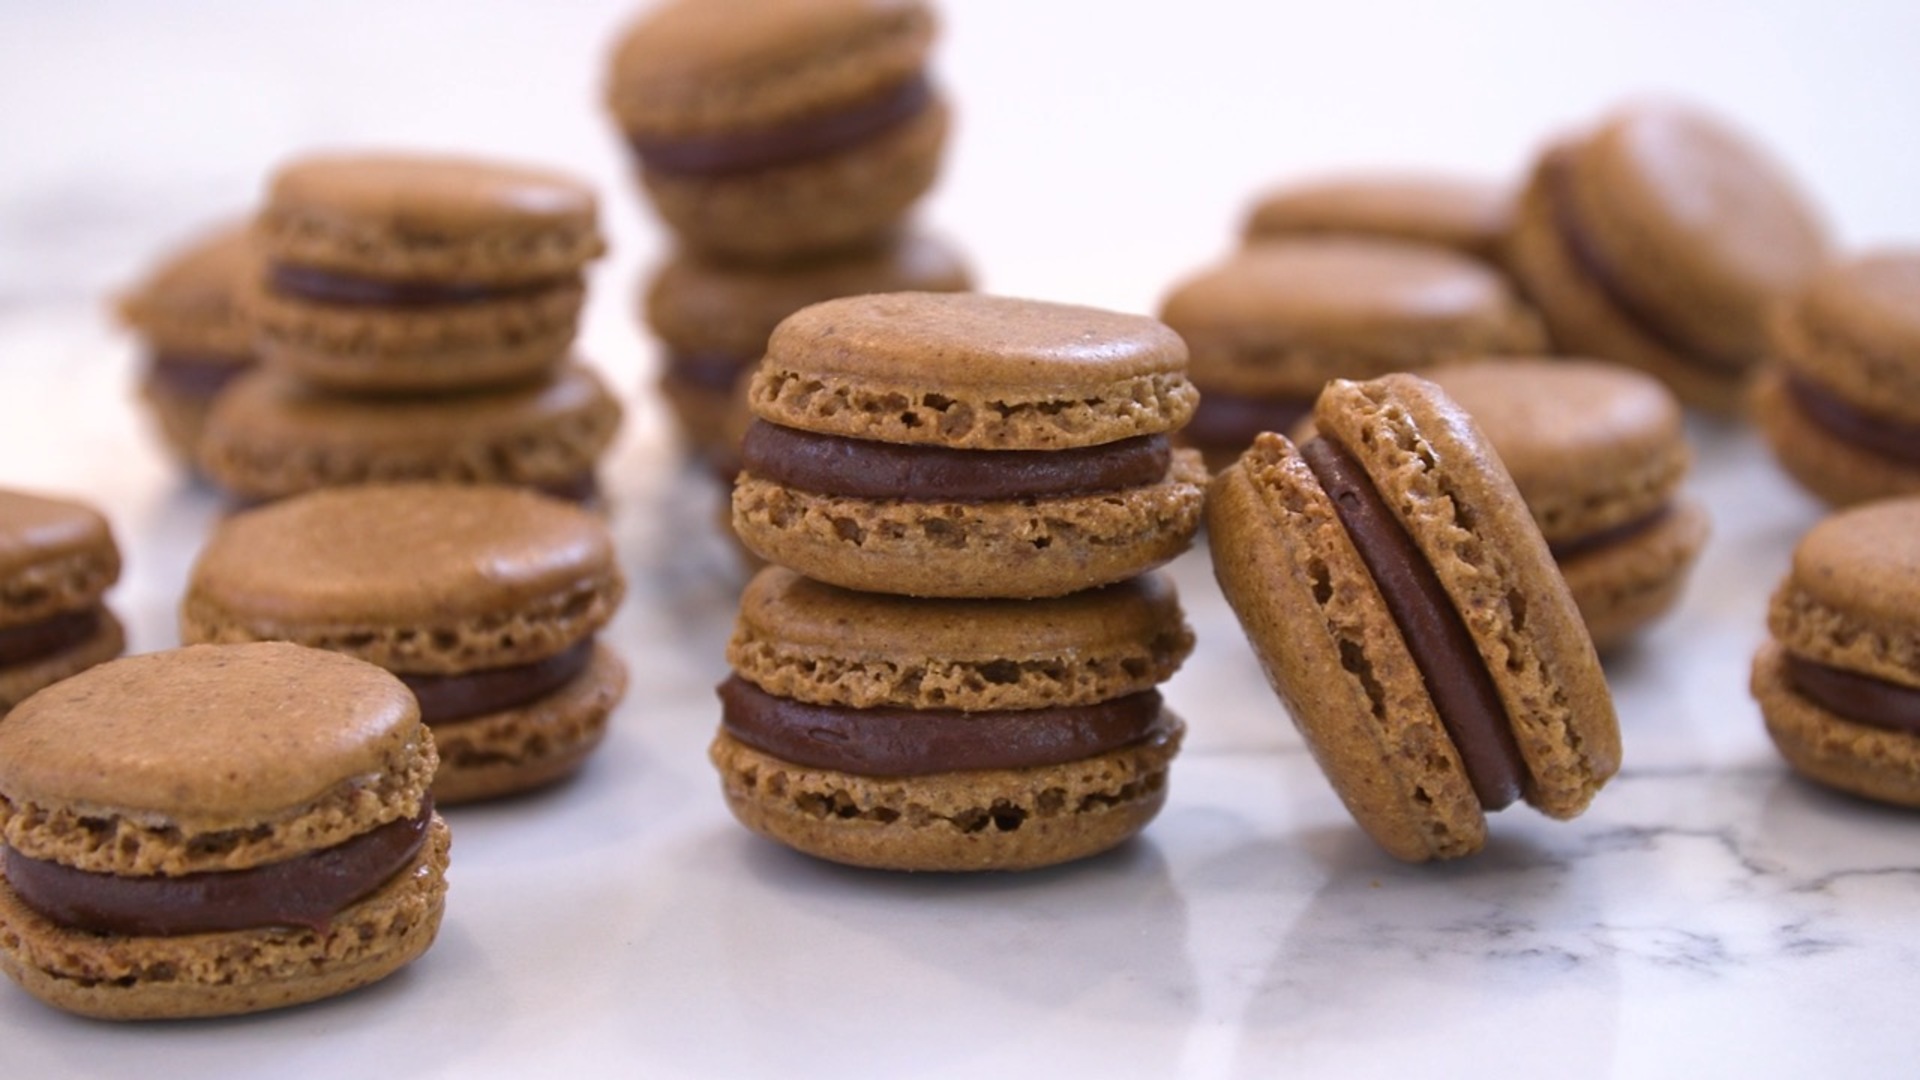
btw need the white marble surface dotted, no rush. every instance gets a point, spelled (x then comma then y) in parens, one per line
(1710, 916)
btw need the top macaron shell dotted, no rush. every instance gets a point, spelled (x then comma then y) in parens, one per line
(188, 305)
(1852, 598)
(1467, 215)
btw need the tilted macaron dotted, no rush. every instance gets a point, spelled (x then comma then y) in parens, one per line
(1464, 214)
(911, 734)
(1269, 325)
(1839, 683)
(399, 273)
(769, 132)
(1598, 451)
(1406, 609)
(216, 830)
(1660, 239)
(714, 318)
(484, 600)
(270, 437)
(57, 560)
(1841, 403)
(186, 312)
(955, 444)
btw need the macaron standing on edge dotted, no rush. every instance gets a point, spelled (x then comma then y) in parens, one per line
(170, 855)
(1403, 604)
(57, 560)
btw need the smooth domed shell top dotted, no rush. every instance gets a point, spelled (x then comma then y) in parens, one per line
(208, 731)
(35, 529)
(1865, 563)
(1457, 212)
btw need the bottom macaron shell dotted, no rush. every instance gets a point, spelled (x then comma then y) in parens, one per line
(117, 977)
(1622, 587)
(20, 681)
(1836, 471)
(531, 746)
(1871, 762)
(997, 819)
(1025, 548)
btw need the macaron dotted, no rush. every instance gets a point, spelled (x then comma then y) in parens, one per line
(270, 437)
(906, 734)
(1660, 239)
(1405, 607)
(485, 601)
(770, 132)
(713, 319)
(1270, 324)
(57, 560)
(1841, 403)
(186, 312)
(1464, 214)
(387, 273)
(963, 445)
(1599, 453)
(1839, 682)
(216, 830)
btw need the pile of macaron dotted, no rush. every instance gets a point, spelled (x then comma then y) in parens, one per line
(1434, 428)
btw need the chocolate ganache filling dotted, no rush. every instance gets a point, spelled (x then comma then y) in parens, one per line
(802, 139)
(319, 286)
(1850, 695)
(194, 378)
(305, 891)
(1567, 550)
(868, 469)
(918, 742)
(1855, 426)
(445, 699)
(1456, 677)
(19, 644)
(1234, 420)
(1586, 255)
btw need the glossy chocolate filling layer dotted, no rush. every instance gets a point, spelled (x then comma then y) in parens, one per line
(803, 139)
(1844, 421)
(708, 370)
(867, 469)
(327, 287)
(1463, 692)
(1605, 538)
(919, 742)
(1230, 420)
(1586, 255)
(305, 891)
(197, 378)
(445, 699)
(19, 644)
(1850, 695)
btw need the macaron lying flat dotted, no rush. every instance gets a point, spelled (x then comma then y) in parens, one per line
(909, 734)
(1661, 239)
(1406, 609)
(1841, 406)
(270, 437)
(186, 312)
(403, 273)
(1598, 451)
(1270, 324)
(955, 444)
(1466, 215)
(216, 830)
(57, 560)
(484, 600)
(1839, 684)
(770, 132)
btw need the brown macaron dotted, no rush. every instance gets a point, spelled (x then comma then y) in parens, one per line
(1839, 683)
(956, 444)
(910, 734)
(773, 132)
(1404, 606)
(406, 273)
(57, 560)
(484, 600)
(1841, 404)
(1598, 451)
(1661, 239)
(1269, 325)
(1462, 214)
(216, 830)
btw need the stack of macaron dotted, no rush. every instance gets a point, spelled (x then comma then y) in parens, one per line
(784, 146)
(951, 664)
(57, 560)
(414, 318)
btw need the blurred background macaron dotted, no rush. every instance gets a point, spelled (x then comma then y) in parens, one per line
(58, 558)
(1465, 214)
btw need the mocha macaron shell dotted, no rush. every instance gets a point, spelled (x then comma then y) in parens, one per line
(1466, 215)
(57, 557)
